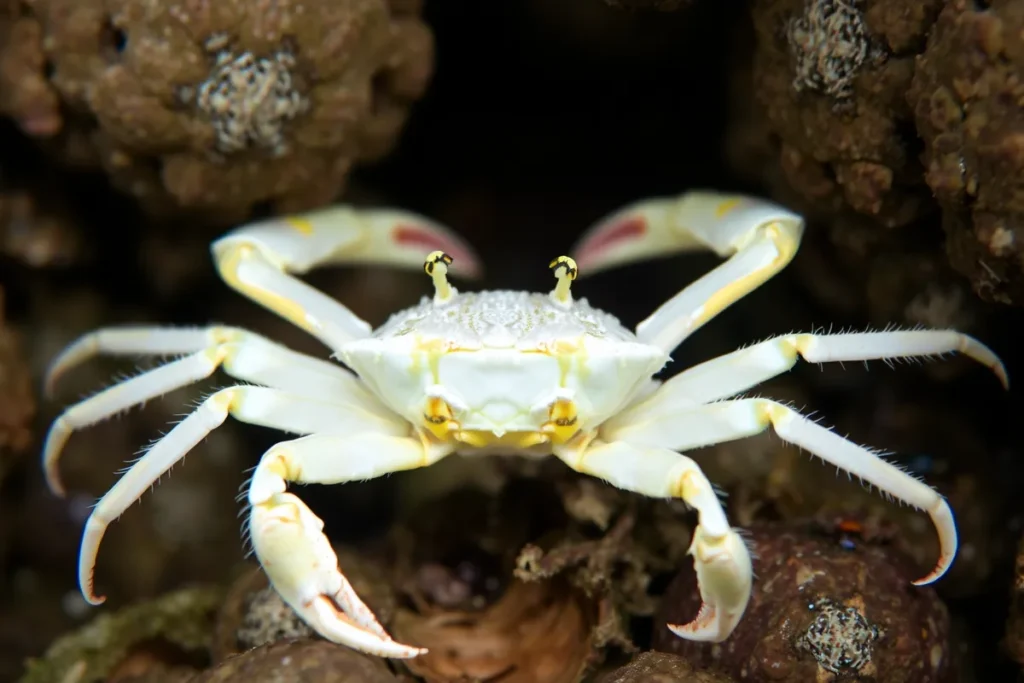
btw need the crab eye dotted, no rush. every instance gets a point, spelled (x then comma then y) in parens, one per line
(562, 420)
(437, 416)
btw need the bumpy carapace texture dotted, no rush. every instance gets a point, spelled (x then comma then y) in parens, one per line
(967, 95)
(214, 108)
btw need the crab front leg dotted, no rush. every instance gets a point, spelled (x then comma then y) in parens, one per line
(760, 238)
(261, 259)
(720, 557)
(289, 541)
(254, 405)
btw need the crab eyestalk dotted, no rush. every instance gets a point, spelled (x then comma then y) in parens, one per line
(436, 266)
(565, 271)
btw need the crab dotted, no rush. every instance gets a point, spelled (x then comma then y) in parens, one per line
(475, 373)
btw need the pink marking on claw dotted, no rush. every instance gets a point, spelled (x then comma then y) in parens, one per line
(622, 230)
(705, 615)
(411, 235)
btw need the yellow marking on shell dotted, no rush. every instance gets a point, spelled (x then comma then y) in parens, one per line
(513, 440)
(726, 207)
(299, 224)
(286, 308)
(734, 291)
(563, 421)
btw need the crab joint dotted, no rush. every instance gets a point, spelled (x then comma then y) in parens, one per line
(438, 418)
(565, 270)
(562, 422)
(436, 266)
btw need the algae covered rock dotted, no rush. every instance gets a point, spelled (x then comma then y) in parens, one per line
(177, 626)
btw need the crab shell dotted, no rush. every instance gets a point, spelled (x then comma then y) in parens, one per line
(502, 362)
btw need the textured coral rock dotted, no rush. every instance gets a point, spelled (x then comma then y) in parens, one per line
(831, 77)
(215, 108)
(110, 645)
(659, 667)
(966, 98)
(822, 610)
(310, 661)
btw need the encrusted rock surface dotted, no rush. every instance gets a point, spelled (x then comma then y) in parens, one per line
(215, 108)
(822, 609)
(966, 96)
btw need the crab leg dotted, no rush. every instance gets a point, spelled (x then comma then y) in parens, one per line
(261, 259)
(289, 541)
(721, 559)
(731, 420)
(243, 355)
(741, 370)
(760, 238)
(255, 405)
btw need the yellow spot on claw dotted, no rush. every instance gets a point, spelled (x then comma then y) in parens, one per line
(725, 207)
(303, 225)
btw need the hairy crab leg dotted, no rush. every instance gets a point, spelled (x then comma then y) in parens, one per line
(246, 355)
(243, 355)
(741, 370)
(721, 558)
(731, 420)
(255, 405)
(261, 259)
(289, 541)
(760, 238)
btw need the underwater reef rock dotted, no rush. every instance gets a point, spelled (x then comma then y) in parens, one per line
(659, 667)
(966, 98)
(215, 108)
(831, 78)
(178, 623)
(310, 661)
(821, 610)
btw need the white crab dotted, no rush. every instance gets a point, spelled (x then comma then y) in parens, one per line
(492, 371)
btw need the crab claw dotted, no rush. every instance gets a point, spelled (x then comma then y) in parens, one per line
(343, 234)
(724, 578)
(302, 567)
(655, 228)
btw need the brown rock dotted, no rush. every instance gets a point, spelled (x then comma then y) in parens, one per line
(659, 667)
(310, 661)
(830, 79)
(966, 97)
(820, 610)
(215, 108)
